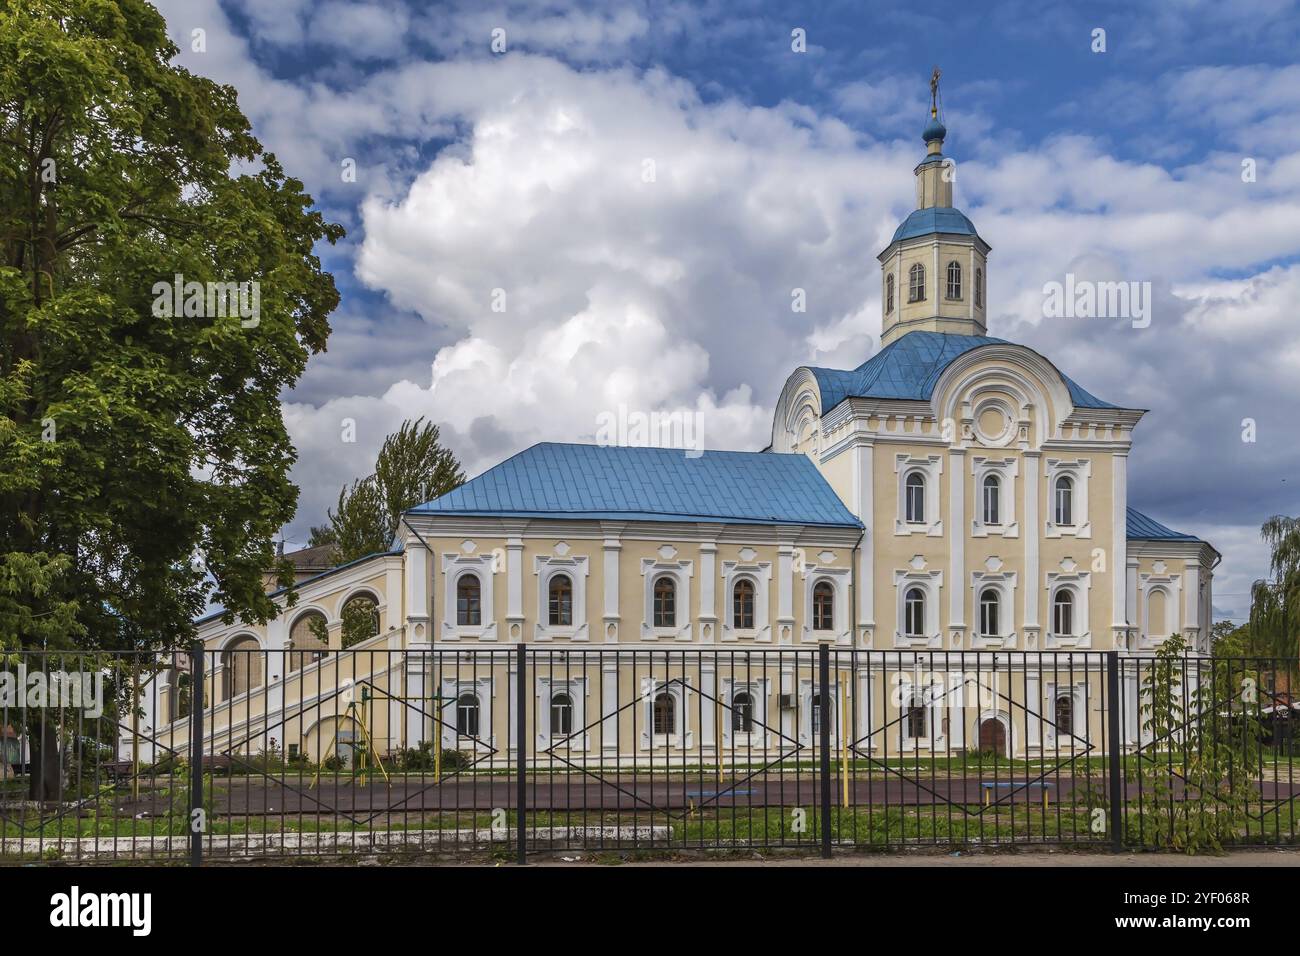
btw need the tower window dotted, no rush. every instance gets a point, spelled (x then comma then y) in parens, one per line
(889, 293)
(979, 288)
(954, 280)
(916, 283)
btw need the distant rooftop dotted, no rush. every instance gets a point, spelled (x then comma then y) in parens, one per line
(553, 480)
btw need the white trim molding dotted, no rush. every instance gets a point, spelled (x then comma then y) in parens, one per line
(577, 567)
(484, 566)
(930, 468)
(931, 583)
(839, 579)
(1079, 583)
(1004, 583)
(1007, 470)
(681, 572)
(679, 689)
(758, 573)
(576, 688)
(1080, 471)
(1163, 580)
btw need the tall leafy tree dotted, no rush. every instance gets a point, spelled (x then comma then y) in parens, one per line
(1275, 603)
(412, 467)
(143, 456)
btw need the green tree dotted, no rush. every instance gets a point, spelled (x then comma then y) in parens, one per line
(320, 534)
(1275, 603)
(412, 468)
(143, 457)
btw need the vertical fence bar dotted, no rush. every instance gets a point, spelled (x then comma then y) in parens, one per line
(197, 704)
(824, 703)
(521, 745)
(1115, 758)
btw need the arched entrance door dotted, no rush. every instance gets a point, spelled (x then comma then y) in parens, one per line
(993, 737)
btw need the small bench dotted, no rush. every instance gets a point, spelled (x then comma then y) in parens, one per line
(988, 786)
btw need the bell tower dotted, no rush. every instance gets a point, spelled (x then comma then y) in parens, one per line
(934, 272)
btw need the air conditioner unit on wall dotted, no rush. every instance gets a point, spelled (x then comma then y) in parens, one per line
(787, 701)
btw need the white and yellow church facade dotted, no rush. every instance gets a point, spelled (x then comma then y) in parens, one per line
(955, 503)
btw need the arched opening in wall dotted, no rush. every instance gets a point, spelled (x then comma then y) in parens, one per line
(665, 602)
(561, 715)
(954, 280)
(360, 618)
(467, 715)
(914, 503)
(992, 500)
(914, 613)
(993, 737)
(241, 667)
(1063, 613)
(308, 640)
(664, 716)
(1157, 611)
(742, 605)
(469, 600)
(823, 606)
(559, 596)
(1063, 717)
(916, 283)
(990, 613)
(1064, 509)
(742, 712)
(889, 293)
(179, 696)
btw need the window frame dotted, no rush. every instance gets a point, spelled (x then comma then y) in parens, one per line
(953, 282)
(916, 282)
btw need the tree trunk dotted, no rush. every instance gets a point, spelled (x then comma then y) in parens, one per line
(46, 771)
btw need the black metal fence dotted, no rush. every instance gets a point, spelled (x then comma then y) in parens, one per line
(251, 754)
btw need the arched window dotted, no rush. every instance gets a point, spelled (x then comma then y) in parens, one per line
(469, 601)
(914, 613)
(1063, 614)
(308, 639)
(954, 280)
(1065, 714)
(1065, 501)
(467, 714)
(742, 605)
(560, 598)
(914, 719)
(561, 715)
(665, 714)
(360, 617)
(665, 601)
(992, 500)
(916, 283)
(742, 712)
(979, 288)
(823, 606)
(179, 697)
(242, 667)
(889, 293)
(990, 613)
(914, 505)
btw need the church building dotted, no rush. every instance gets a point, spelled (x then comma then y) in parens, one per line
(954, 494)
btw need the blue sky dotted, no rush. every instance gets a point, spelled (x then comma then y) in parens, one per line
(523, 172)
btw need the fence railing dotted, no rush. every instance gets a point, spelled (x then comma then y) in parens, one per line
(508, 751)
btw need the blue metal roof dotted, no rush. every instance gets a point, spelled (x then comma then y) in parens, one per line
(552, 480)
(909, 367)
(923, 222)
(1142, 528)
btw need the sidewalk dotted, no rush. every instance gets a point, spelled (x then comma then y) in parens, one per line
(1236, 858)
